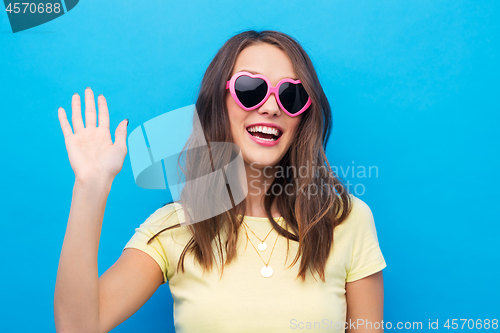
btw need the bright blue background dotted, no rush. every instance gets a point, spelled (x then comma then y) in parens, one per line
(414, 91)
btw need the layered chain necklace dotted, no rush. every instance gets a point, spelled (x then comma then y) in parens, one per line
(265, 271)
(262, 245)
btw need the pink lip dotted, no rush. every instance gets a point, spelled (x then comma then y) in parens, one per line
(263, 142)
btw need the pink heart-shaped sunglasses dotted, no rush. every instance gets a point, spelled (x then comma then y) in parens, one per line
(250, 91)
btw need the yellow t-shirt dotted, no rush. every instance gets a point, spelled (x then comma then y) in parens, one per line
(243, 300)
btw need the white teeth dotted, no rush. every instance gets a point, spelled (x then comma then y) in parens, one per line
(264, 129)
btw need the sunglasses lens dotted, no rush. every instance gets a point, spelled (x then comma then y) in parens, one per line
(293, 96)
(250, 91)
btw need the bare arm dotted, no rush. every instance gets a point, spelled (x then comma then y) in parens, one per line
(76, 296)
(83, 302)
(126, 286)
(365, 304)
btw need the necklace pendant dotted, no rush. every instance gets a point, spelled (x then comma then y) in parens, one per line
(262, 246)
(266, 271)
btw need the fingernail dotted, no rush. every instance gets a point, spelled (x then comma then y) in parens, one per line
(101, 95)
(87, 88)
(75, 94)
(127, 122)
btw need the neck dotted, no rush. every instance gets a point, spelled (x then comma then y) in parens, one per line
(258, 183)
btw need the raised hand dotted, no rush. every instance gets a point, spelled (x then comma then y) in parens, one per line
(91, 152)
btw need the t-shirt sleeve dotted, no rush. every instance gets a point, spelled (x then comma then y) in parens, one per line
(159, 220)
(366, 257)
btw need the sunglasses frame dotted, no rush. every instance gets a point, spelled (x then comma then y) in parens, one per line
(270, 89)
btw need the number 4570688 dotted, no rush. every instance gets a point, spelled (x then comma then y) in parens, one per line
(26, 7)
(472, 324)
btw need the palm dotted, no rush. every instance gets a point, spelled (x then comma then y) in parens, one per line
(90, 149)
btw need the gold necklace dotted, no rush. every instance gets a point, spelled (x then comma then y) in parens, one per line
(265, 271)
(262, 246)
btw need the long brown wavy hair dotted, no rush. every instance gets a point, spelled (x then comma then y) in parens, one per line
(311, 219)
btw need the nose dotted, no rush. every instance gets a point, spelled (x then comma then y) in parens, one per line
(270, 107)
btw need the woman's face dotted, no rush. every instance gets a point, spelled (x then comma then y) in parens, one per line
(268, 60)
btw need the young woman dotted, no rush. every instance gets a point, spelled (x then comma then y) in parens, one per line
(299, 252)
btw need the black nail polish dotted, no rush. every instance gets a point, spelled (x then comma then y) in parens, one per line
(75, 94)
(101, 95)
(127, 122)
(87, 88)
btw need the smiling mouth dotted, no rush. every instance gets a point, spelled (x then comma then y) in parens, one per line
(265, 133)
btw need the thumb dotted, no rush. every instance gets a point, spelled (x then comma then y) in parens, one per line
(121, 135)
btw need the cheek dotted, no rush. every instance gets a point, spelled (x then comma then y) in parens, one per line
(293, 125)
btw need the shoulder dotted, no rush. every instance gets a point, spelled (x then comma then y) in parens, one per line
(168, 215)
(360, 209)
(360, 215)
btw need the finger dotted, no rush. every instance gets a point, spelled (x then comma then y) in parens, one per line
(76, 113)
(90, 114)
(121, 135)
(103, 111)
(63, 120)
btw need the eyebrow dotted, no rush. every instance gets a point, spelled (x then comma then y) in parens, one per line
(254, 72)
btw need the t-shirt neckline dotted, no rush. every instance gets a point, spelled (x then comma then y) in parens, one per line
(259, 219)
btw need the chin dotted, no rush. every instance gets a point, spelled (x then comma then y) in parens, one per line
(261, 160)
